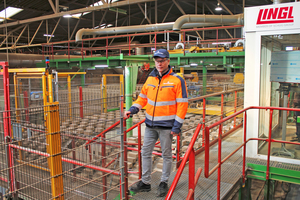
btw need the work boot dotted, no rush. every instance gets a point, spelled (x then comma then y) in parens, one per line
(140, 187)
(162, 189)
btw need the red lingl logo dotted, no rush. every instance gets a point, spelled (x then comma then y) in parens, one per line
(275, 15)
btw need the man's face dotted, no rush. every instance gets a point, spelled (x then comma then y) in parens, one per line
(162, 64)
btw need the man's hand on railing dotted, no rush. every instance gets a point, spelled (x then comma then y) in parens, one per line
(175, 134)
(127, 114)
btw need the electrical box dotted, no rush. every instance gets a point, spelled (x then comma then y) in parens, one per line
(285, 66)
(37, 95)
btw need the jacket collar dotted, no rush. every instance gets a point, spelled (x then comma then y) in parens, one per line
(155, 73)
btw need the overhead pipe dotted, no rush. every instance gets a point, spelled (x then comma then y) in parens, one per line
(185, 21)
(133, 29)
(215, 19)
(27, 60)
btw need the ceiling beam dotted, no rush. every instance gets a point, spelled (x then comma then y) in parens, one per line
(19, 36)
(57, 6)
(144, 13)
(167, 13)
(52, 6)
(81, 10)
(179, 7)
(225, 7)
(54, 30)
(37, 30)
(9, 33)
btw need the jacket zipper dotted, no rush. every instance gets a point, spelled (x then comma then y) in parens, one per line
(156, 100)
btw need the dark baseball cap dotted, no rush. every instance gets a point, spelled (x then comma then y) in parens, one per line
(161, 53)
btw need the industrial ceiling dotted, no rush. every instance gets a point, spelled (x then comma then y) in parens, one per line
(26, 30)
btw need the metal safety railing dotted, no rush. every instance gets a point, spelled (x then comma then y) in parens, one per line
(209, 172)
(189, 156)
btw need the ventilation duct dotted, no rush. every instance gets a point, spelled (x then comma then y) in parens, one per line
(185, 21)
(133, 29)
(215, 19)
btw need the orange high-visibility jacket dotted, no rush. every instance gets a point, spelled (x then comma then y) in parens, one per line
(165, 99)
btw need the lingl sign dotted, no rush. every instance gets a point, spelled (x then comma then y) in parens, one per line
(272, 17)
(275, 15)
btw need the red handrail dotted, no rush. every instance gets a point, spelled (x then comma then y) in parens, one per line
(183, 163)
(208, 172)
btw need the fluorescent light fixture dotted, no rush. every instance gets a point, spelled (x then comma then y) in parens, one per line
(67, 16)
(218, 8)
(10, 11)
(289, 48)
(102, 24)
(99, 3)
(194, 64)
(48, 35)
(109, 25)
(100, 66)
(79, 14)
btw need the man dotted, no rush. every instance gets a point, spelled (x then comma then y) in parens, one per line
(165, 96)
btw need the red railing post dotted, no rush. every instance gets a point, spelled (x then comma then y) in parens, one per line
(219, 161)
(184, 43)
(217, 33)
(81, 103)
(7, 130)
(203, 115)
(235, 105)
(106, 47)
(125, 162)
(52, 52)
(222, 106)
(139, 151)
(269, 144)
(103, 153)
(244, 150)
(129, 45)
(177, 151)
(192, 171)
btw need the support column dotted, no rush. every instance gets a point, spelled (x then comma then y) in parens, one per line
(204, 73)
(128, 95)
(54, 149)
(53, 140)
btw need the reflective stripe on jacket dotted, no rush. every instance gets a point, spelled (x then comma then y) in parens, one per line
(165, 99)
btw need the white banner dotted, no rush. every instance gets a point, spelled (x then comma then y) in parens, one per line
(272, 17)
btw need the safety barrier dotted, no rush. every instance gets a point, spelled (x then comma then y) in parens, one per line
(208, 172)
(193, 179)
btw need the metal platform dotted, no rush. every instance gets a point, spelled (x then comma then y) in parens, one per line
(206, 187)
